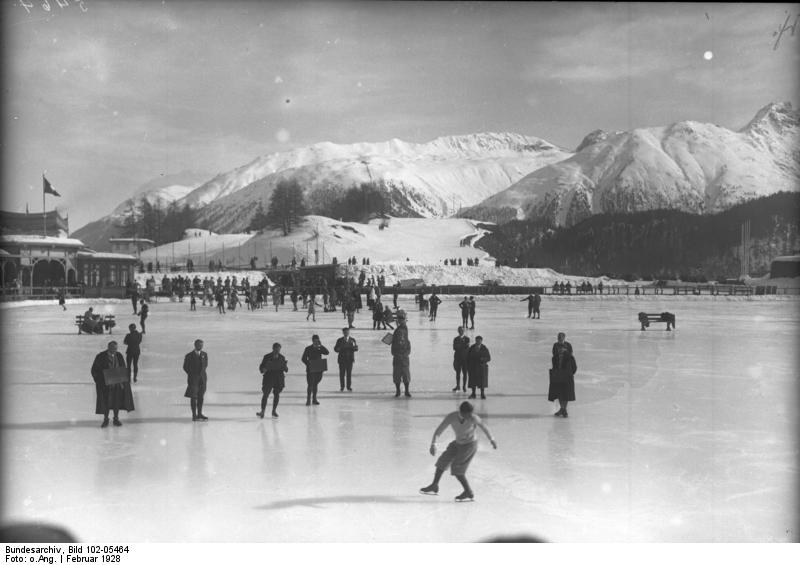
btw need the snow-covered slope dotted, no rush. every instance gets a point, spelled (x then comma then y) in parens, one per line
(690, 166)
(409, 248)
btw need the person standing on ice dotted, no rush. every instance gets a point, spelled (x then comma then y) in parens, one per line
(471, 312)
(132, 341)
(346, 347)
(312, 358)
(529, 298)
(433, 304)
(459, 452)
(401, 349)
(195, 364)
(460, 348)
(312, 311)
(114, 397)
(562, 376)
(144, 310)
(272, 367)
(478, 358)
(464, 305)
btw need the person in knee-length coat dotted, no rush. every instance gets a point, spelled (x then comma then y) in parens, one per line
(563, 389)
(195, 364)
(478, 358)
(110, 397)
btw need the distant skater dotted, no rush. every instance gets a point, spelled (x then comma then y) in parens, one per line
(346, 347)
(401, 349)
(478, 358)
(61, 299)
(312, 311)
(537, 301)
(272, 368)
(471, 312)
(433, 306)
(114, 397)
(562, 375)
(133, 341)
(192, 302)
(144, 310)
(464, 305)
(312, 357)
(459, 452)
(195, 364)
(460, 348)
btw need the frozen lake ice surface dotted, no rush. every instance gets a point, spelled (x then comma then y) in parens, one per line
(681, 436)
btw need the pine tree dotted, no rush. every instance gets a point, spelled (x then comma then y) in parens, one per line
(259, 219)
(286, 206)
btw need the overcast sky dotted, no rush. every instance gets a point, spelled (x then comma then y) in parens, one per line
(106, 96)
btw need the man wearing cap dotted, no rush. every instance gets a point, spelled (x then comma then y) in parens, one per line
(313, 352)
(346, 347)
(195, 364)
(133, 341)
(272, 367)
(401, 349)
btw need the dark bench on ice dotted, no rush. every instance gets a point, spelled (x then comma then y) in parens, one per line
(667, 317)
(100, 323)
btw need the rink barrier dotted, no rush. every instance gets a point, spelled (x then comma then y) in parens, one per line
(50, 293)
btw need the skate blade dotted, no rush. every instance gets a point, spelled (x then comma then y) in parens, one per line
(429, 493)
(465, 500)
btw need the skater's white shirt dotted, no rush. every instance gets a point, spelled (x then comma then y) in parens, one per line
(464, 427)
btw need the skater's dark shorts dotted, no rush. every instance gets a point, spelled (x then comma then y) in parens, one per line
(196, 386)
(400, 369)
(457, 456)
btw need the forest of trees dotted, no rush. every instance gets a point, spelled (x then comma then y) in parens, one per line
(659, 244)
(152, 221)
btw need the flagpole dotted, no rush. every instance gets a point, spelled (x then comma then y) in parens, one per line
(44, 218)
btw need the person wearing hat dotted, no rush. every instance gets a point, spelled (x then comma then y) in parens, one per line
(346, 347)
(132, 341)
(272, 367)
(114, 397)
(313, 352)
(401, 349)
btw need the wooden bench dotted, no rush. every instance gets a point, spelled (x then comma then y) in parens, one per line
(667, 317)
(106, 323)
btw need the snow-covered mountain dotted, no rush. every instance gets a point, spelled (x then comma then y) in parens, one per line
(430, 179)
(162, 191)
(690, 166)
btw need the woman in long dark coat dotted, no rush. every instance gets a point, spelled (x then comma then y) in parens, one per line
(477, 358)
(110, 397)
(562, 377)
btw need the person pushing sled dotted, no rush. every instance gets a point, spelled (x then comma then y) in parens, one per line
(460, 451)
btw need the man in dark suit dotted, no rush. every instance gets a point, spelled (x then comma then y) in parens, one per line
(313, 352)
(110, 397)
(460, 348)
(194, 365)
(273, 366)
(346, 347)
(133, 340)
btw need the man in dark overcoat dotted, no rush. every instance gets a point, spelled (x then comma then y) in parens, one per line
(195, 364)
(478, 358)
(110, 397)
(272, 367)
(401, 350)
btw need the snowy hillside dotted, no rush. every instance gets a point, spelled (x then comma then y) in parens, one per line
(689, 166)
(408, 248)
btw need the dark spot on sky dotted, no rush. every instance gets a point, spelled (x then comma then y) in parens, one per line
(287, 100)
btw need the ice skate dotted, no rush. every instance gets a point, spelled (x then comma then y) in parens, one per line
(465, 497)
(430, 489)
(260, 414)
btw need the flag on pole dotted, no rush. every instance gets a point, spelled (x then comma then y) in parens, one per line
(48, 188)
